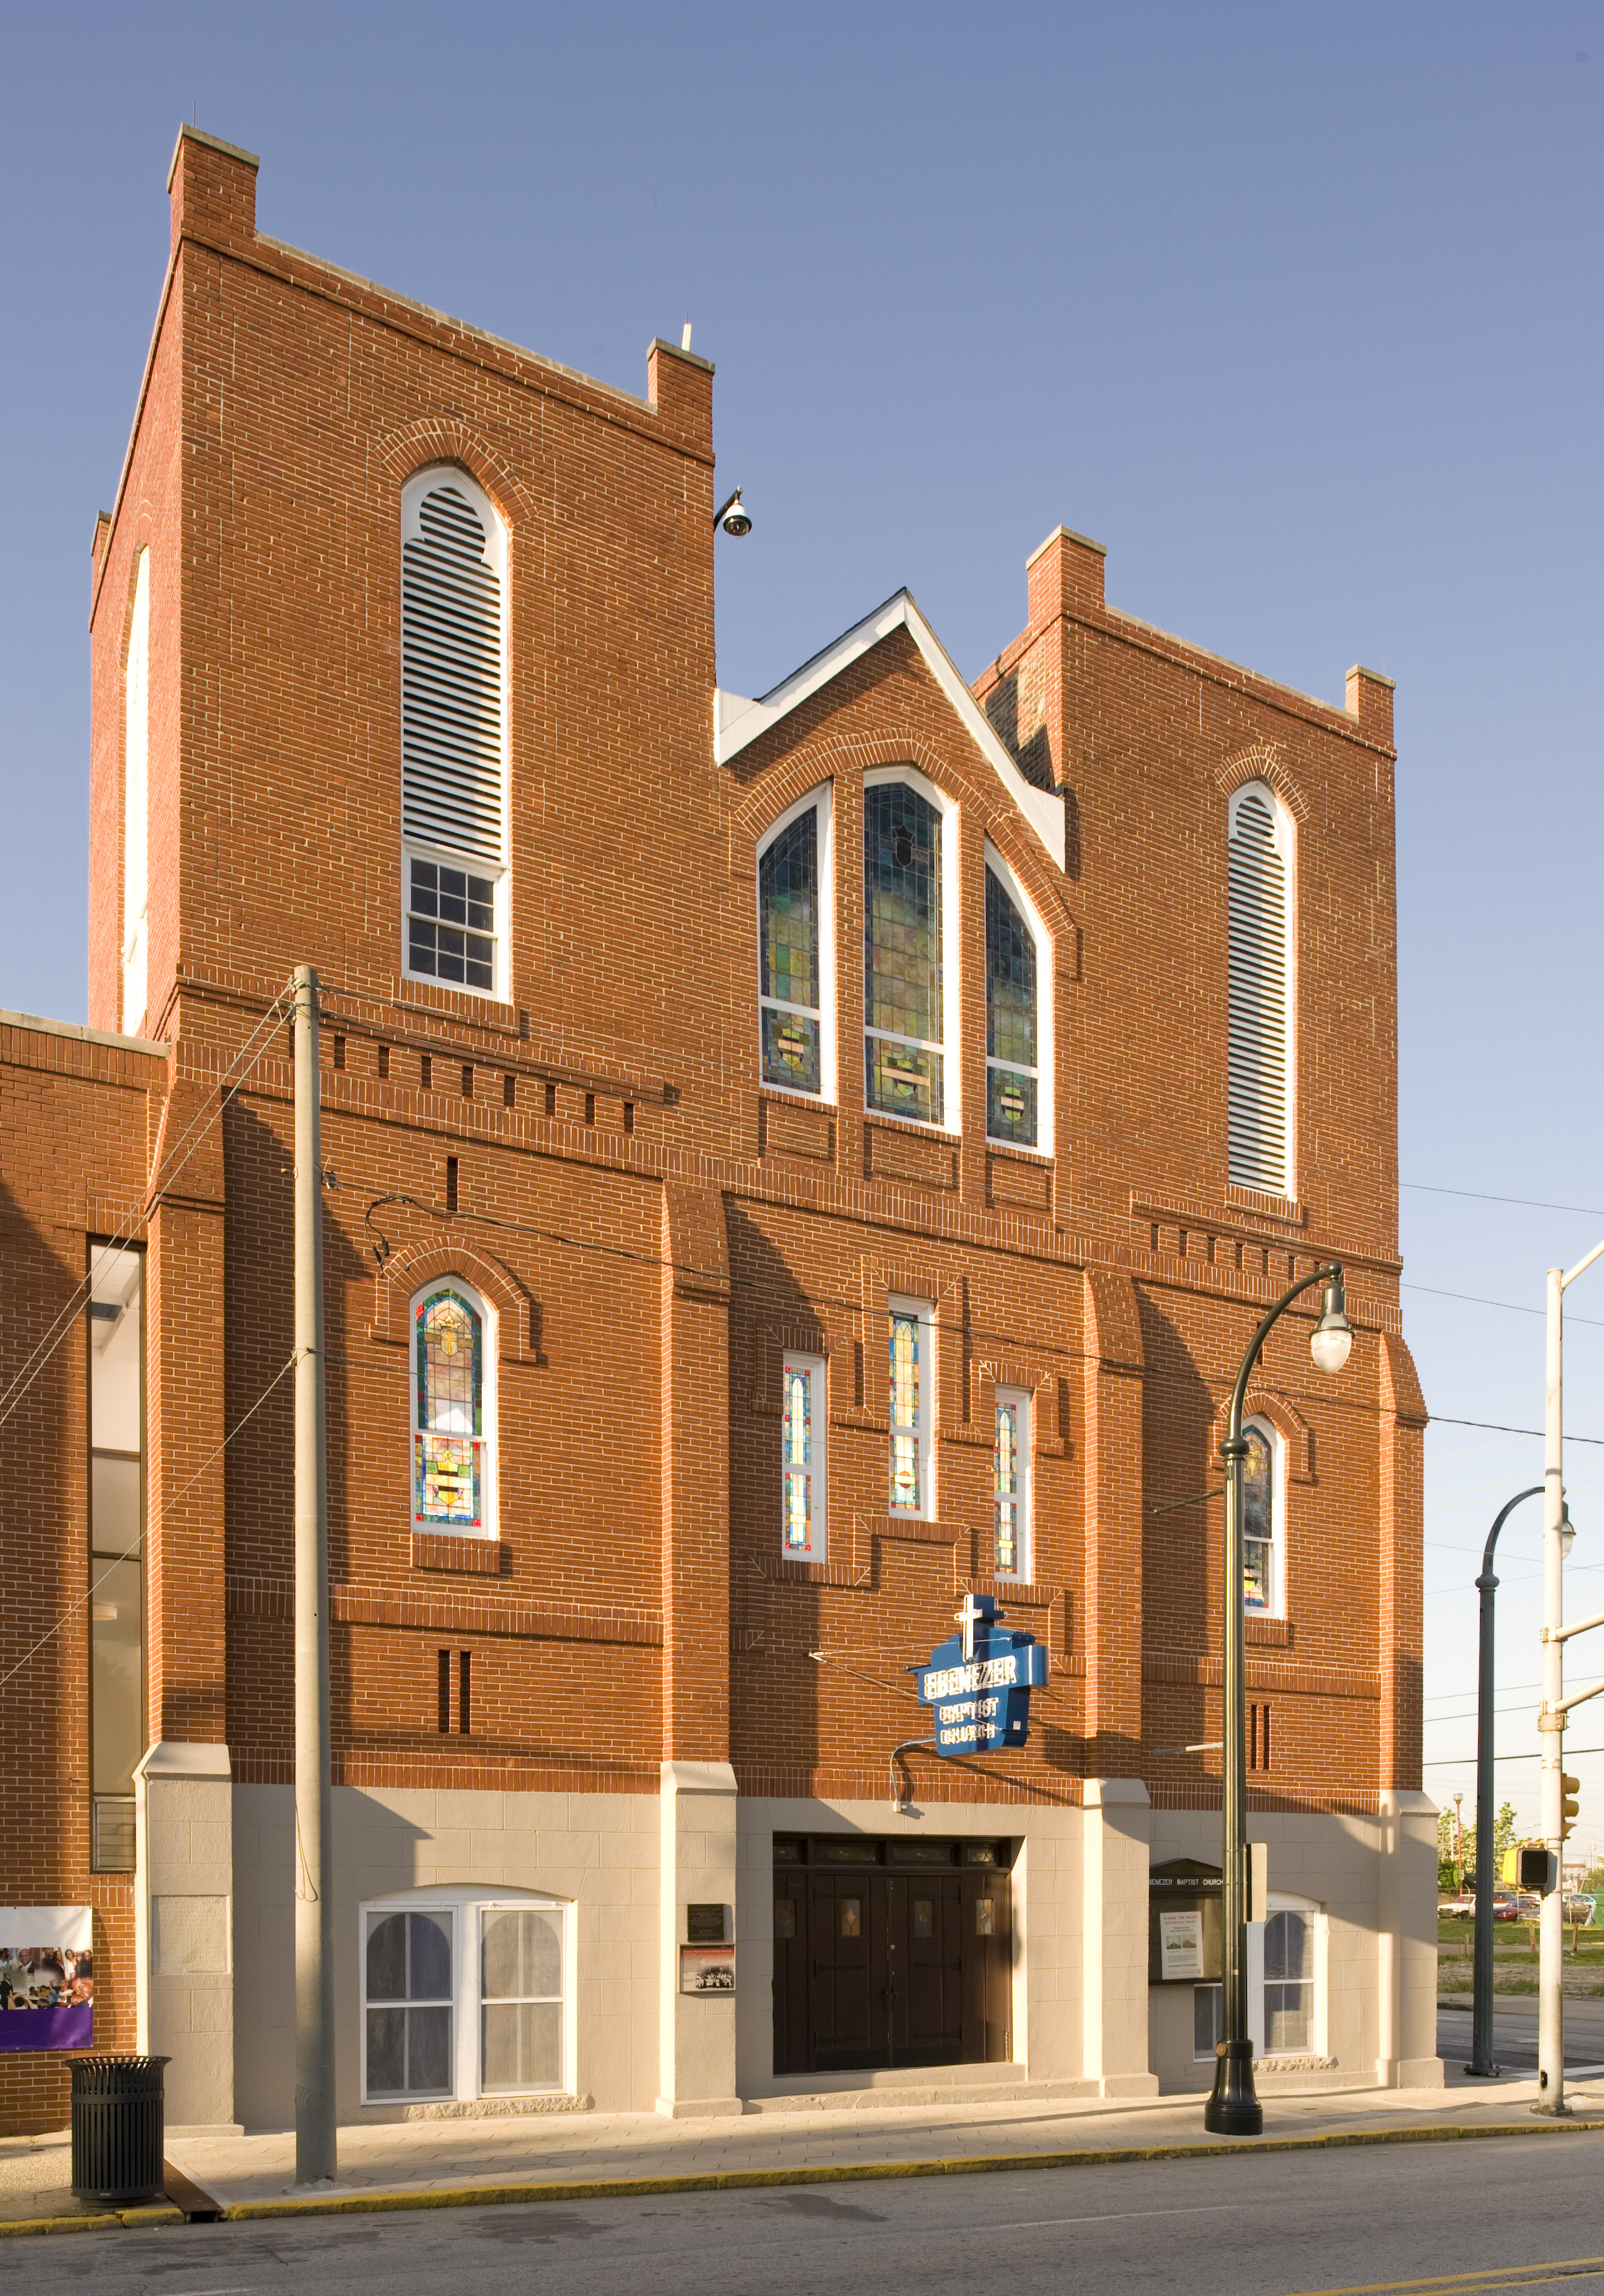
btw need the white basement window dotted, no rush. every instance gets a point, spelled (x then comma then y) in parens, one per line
(466, 1993)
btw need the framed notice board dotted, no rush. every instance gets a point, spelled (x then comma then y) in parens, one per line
(1184, 1930)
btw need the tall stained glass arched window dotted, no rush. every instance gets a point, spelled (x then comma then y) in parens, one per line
(449, 1449)
(903, 988)
(1261, 1556)
(788, 927)
(1011, 1073)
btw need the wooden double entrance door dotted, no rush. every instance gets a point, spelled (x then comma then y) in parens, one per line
(876, 1967)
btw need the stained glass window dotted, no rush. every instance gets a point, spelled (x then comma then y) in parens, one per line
(448, 1439)
(1259, 1522)
(1011, 1074)
(1010, 1468)
(791, 1000)
(802, 1458)
(903, 1021)
(907, 1429)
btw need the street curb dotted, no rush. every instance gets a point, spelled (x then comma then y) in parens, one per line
(130, 2220)
(730, 2180)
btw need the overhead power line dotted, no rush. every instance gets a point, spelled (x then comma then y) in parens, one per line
(129, 1553)
(1476, 1195)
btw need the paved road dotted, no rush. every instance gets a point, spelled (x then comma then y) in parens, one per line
(1270, 2225)
(1515, 2032)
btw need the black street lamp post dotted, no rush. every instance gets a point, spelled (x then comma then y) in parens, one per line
(1481, 2019)
(1234, 2110)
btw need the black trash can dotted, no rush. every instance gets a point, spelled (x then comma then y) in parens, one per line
(119, 2113)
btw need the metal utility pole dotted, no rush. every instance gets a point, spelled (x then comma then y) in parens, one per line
(1481, 2021)
(315, 2140)
(1556, 1705)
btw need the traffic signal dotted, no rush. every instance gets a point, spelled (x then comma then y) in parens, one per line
(1570, 1788)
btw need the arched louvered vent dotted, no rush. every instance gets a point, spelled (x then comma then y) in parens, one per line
(1260, 1155)
(451, 681)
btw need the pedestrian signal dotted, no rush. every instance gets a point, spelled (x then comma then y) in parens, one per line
(1528, 1865)
(1570, 1788)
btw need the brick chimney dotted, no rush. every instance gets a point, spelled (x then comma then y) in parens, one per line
(212, 186)
(1370, 700)
(1066, 577)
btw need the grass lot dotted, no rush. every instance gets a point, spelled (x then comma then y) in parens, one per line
(1514, 1957)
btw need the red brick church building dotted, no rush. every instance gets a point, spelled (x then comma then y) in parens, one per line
(801, 1162)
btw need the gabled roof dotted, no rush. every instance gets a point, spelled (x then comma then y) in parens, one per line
(739, 722)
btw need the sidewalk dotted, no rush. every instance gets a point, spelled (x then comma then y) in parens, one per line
(436, 2162)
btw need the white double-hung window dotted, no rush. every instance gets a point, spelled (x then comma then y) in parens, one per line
(466, 1993)
(454, 733)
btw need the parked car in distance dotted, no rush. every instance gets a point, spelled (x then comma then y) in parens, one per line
(1454, 1908)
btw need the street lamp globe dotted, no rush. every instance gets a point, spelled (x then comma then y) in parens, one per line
(1567, 1531)
(1333, 1338)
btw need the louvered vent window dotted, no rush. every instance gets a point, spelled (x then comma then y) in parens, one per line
(453, 800)
(1260, 1107)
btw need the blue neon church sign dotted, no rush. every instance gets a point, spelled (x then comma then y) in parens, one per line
(979, 1682)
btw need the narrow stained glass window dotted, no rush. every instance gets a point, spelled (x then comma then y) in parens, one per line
(1011, 1483)
(802, 1458)
(1258, 1523)
(1005, 1463)
(1011, 1074)
(903, 985)
(448, 1443)
(791, 1000)
(905, 1428)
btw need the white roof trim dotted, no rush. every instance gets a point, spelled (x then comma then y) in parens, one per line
(737, 722)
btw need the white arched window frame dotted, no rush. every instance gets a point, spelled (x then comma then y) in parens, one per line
(774, 1010)
(1264, 1523)
(136, 804)
(952, 1118)
(1286, 1979)
(465, 2008)
(455, 764)
(1042, 940)
(1286, 1984)
(452, 1452)
(1262, 1115)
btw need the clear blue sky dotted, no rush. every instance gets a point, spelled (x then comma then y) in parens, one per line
(1298, 310)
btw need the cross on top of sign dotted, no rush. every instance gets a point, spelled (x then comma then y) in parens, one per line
(973, 1614)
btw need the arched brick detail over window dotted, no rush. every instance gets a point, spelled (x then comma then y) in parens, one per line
(1263, 761)
(410, 1269)
(442, 439)
(1289, 1423)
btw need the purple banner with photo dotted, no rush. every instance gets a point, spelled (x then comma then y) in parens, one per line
(71, 2028)
(46, 1977)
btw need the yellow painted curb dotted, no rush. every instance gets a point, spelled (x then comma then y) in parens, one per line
(727, 2180)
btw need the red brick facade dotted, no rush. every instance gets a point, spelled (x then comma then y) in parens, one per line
(651, 1227)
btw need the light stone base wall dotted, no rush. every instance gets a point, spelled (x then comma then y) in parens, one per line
(599, 1850)
(1379, 1980)
(1084, 2020)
